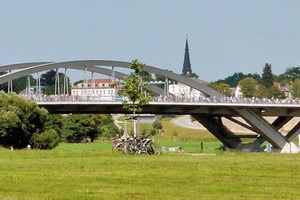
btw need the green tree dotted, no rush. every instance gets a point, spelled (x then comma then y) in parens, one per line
(222, 88)
(292, 73)
(271, 92)
(19, 84)
(77, 82)
(260, 91)
(48, 80)
(274, 92)
(78, 127)
(296, 88)
(159, 78)
(146, 76)
(248, 87)
(20, 119)
(47, 140)
(234, 79)
(267, 76)
(55, 122)
(157, 126)
(133, 88)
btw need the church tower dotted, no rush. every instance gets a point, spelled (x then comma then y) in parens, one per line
(186, 70)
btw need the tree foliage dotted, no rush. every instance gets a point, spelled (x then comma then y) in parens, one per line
(49, 139)
(55, 122)
(157, 125)
(134, 88)
(222, 88)
(79, 127)
(248, 87)
(296, 88)
(48, 80)
(267, 76)
(19, 84)
(251, 88)
(234, 79)
(292, 73)
(20, 120)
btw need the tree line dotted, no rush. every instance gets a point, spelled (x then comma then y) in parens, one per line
(255, 85)
(23, 123)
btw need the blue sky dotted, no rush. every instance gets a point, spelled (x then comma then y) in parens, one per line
(225, 36)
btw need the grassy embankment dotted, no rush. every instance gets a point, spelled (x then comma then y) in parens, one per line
(90, 171)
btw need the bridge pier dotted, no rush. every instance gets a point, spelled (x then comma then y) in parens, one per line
(263, 127)
(214, 125)
(255, 122)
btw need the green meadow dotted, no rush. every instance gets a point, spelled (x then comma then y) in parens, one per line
(91, 171)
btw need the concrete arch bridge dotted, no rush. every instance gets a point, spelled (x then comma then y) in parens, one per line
(209, 114)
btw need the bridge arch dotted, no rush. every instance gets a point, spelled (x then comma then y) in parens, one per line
(31, 68)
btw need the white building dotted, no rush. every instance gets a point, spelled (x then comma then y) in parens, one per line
(184, 92)
(238, 92)
(99, 88)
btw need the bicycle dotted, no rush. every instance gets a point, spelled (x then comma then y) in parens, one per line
(133, 145)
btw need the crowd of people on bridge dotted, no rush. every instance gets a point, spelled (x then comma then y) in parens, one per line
(170, 98)
(226, 99)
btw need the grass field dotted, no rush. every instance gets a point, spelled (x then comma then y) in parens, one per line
(90, 171)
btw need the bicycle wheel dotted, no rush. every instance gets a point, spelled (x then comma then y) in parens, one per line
(118, 148)
(153, 149)
(130, 148)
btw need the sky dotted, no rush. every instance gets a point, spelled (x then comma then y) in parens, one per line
(225, 36)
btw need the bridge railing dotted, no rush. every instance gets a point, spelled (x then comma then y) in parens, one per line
(229, 100)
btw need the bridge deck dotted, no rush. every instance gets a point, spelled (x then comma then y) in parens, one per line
(172, 108)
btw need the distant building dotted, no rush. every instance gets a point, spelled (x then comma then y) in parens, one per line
(183, 91)
(286, 90)
(237, 92)
(100, 88)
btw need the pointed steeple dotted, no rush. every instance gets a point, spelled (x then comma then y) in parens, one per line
(186, 70)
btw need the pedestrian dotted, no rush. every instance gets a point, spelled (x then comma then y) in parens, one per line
(201, 146)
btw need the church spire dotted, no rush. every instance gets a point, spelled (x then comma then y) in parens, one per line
(186, 70)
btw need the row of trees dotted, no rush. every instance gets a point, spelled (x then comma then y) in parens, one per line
(254, 85)
(22, 122)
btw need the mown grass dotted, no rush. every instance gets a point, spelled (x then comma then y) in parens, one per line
(90, 171)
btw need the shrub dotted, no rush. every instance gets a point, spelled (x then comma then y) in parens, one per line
(49, 139)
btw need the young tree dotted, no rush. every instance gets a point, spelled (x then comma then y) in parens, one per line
(157, 126)
(133, 88)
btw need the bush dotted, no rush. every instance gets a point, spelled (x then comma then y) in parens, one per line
(46, 140)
